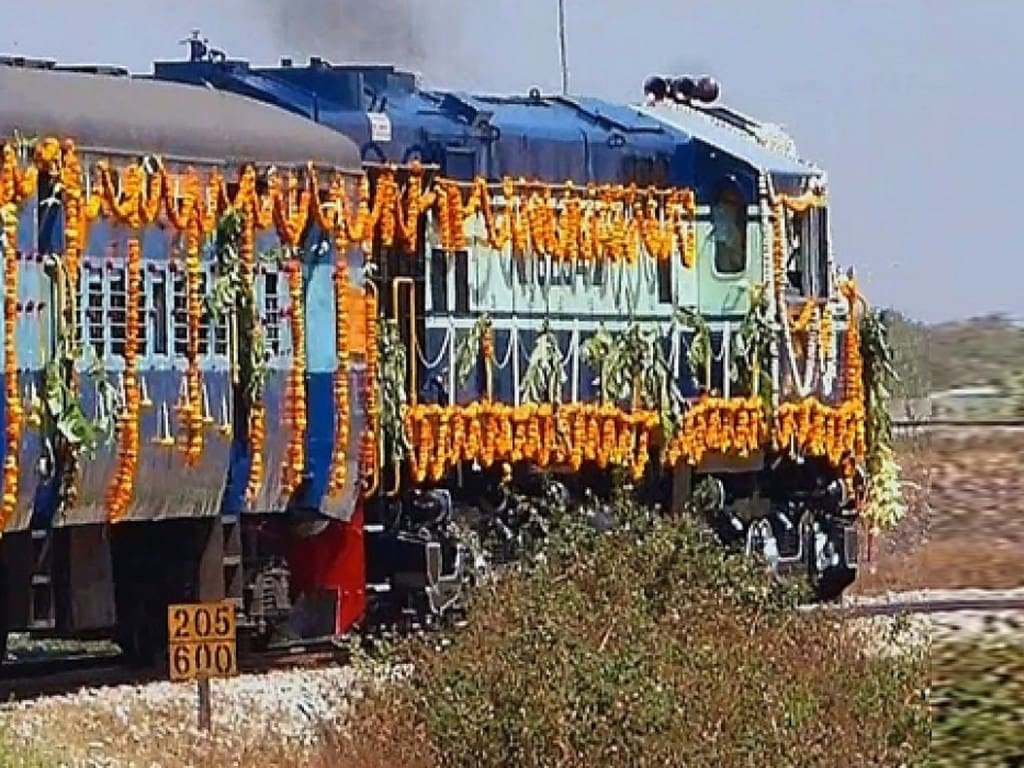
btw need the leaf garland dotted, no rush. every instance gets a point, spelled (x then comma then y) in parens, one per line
(698, 352)
(633, 369)
(751, 350)
(885, 504)
(544, 376)
(60, 410)
(393, 398)
(230, 297)
(471, 349)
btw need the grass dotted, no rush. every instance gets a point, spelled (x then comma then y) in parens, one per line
(645, 648)
(965, 522)
(978, 704)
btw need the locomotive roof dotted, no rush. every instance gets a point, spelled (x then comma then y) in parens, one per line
(549, 137)
(741, 144)
(124, 114)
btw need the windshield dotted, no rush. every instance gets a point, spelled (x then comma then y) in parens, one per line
(807, 267)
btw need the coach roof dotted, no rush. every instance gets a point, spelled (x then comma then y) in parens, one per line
(123, 114)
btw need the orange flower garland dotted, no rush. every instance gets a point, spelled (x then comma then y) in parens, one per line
(119, 493)
(802, 322)
(245, 201)
(734, 426)
(601, 222)
(339, 457)
(779, 254)
(295, 416)
(13, 404)
(78, 212)
(827, 331)
(185, 216)
(814, 429)
(17, 185)
(192, 410)
(489, 433)
(369, 447)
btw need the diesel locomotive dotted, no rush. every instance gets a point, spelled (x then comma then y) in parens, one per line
(297, 336)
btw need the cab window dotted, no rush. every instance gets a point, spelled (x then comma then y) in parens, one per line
(807, 266)
(729, 230)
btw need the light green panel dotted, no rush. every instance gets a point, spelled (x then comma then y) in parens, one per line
(500, 284)
(722, 294)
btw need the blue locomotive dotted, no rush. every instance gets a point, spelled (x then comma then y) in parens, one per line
(276, 334)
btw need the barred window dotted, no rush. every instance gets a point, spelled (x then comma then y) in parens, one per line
(158, 313)
(272, 312)
(180, 316)
(92, 300)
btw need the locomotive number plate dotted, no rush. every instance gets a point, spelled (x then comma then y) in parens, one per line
(202, 640)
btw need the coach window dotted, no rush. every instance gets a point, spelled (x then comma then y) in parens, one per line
(95, 325)
(117, 314)
(729, 223)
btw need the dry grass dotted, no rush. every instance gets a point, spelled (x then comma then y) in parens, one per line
(978, 705)
(646, 650)
(965, 524)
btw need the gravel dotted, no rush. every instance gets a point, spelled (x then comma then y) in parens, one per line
(289, 713)
(910, 632)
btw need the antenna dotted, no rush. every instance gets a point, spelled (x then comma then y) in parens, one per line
(563, 53)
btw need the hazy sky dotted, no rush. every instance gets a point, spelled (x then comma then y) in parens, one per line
(912, 106)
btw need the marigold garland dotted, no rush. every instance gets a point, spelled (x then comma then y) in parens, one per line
(369, 448)
(119, 492)
(802, 322)
(12, 395)
(486, 432)
(339, 457)
(295, 416)
(245, 201)
(827, 332)
(17, 184)
(734, 426)
(191, 411)
(853, 385)
(811, 428)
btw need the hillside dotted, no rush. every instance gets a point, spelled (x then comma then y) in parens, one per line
(986, 351)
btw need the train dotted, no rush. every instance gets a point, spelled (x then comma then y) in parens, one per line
(302, 337)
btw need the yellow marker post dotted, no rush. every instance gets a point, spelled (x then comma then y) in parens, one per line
(202, 646)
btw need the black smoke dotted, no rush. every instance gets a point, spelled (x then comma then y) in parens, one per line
(364, 31)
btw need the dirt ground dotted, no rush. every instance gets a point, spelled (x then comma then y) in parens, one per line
(965, 523)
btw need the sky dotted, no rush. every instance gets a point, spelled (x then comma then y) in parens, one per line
(911, 106)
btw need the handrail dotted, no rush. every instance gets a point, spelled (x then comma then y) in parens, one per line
(396, 283)
(374, 486)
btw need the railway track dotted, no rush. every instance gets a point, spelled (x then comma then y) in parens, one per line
(910, 426)
(38, 678)
(55, 676)
(966, 601)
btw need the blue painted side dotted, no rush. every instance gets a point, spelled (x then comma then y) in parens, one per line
(321, 363)
(164, 486)
(548, 138)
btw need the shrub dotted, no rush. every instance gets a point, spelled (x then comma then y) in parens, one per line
(978, 704)
(646, 646)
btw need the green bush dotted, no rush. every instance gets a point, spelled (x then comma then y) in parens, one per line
(644, 647)
(978, 704)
